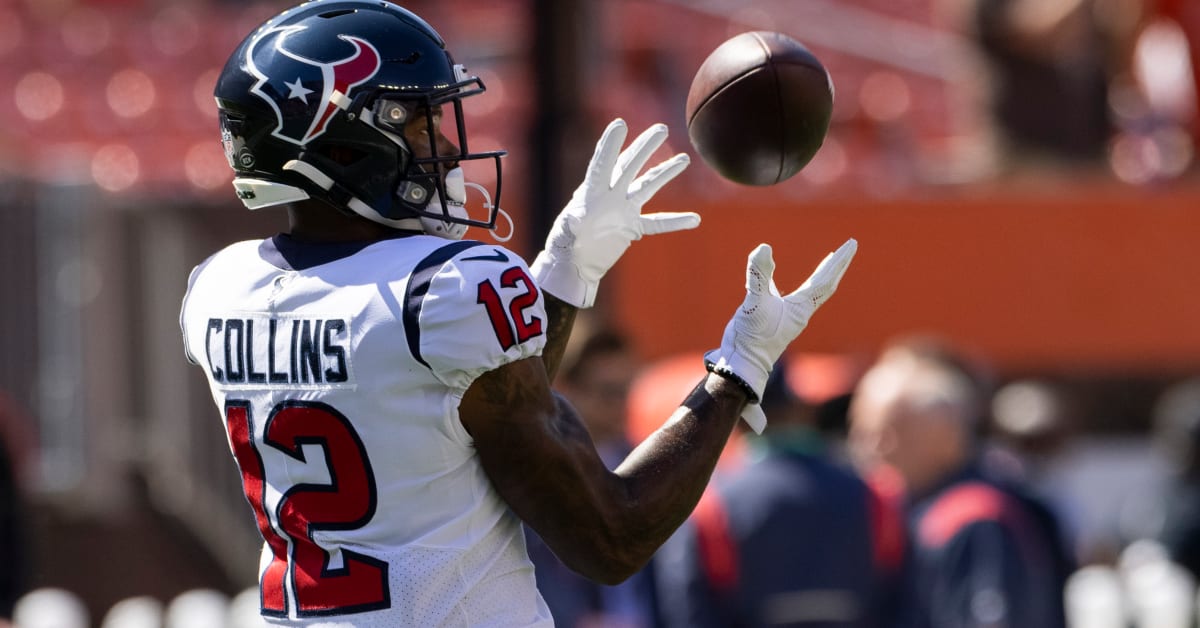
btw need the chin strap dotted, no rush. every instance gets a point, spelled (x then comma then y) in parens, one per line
(512, 228)
(322, 180)
(500, 213)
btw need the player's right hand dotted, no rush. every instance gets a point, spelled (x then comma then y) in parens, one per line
(604, 216)
(767, 322)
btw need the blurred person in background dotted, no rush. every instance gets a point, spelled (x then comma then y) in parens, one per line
(598, 368)
(12, 559)
(1185, 15)
(792, 538)
(14, 542)
(1050, 74)
(1033, 424)
(1177, 435)
(984, 552)
(384, 383)
(1156, 96)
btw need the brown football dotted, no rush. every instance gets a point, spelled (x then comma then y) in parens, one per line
(759, 107)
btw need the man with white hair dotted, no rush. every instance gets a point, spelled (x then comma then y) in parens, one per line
(983, 552)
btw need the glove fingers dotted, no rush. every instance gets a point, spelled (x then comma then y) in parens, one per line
(655, 178)
(667, 222)
(634, 158)
(824, 280)
(760, 270)
(604, 160)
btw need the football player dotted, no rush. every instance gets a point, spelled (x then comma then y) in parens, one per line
(385, 384)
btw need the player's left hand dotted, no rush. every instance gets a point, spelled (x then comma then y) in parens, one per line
(605, 214)
(767, 322)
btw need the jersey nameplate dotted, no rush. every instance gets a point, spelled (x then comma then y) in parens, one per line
(261, 351)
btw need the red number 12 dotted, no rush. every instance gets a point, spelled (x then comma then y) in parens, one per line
(510, 326)
(346, 503)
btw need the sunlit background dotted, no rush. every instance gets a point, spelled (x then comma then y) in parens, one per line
(1021, 183)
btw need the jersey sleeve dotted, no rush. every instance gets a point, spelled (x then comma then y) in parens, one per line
(183, 309)
(478, 310)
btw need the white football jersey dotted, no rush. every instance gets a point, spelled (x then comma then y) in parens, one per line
(338, 370)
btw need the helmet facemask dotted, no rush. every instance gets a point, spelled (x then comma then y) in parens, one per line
(434, 186)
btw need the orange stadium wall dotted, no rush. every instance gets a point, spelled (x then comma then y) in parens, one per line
(1103, 281)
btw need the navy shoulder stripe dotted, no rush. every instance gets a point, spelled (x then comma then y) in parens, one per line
(418, 287)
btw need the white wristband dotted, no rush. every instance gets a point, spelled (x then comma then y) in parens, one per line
(562, 280)
(754, 416)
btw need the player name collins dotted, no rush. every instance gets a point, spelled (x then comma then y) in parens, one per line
(267, 351)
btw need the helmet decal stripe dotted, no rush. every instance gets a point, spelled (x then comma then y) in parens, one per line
(346, 75)
(304, 75)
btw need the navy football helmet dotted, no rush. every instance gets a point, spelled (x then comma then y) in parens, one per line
(314, 104)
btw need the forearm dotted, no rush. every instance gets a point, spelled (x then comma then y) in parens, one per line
(560, 319)
(618, 525)
(667, 473)
(540, 458)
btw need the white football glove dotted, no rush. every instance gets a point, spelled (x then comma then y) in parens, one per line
(767, 323)
(605, 214)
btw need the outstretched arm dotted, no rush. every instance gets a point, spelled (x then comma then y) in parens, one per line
(603, 524)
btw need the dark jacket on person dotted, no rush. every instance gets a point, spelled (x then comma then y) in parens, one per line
(984, 552)
(794, 538)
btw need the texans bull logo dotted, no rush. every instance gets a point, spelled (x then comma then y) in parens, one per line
(304, 92)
